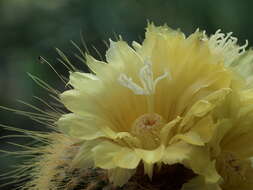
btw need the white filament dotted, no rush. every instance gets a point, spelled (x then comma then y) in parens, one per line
(227, 45)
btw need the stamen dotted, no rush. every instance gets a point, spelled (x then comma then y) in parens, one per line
(226, 44)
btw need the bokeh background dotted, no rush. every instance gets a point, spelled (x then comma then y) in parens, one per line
(33, 28)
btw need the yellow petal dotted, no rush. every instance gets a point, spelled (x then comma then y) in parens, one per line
(120, 176)
(79, 126)
(151, 156)
(202, 107)
(126, 158)
(96, 66)
(78, 102)
(131, 140)
(200, 133)
(205, 128)
(199, 160)
(176, 153)
(190, 137)
(166, 132)
(243, 66)
(104, 154)
(148, 169)
(156, 35)
(81, 80)
(220, 131)
(193, 157)
(198, 183)
(108, 155)
(120, 55)
(84, 157)
(105, 72)
(218, 96)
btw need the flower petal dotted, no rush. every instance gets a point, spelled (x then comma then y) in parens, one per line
(120, 176)
(243, 65)
(222, 128)
(205, 128)
(148, 169)
(84, 157)
(96, 66)
(198, 183)
(190, 137)
(107, 154)
(79, 102)
(120, 55)
(104, 154)
(199, 160)
(167, 132)
(85, 128)
(193, 157)
(176, 153)
(126, 158)
(205, 105)
(151, 156)
(81, 80)
(200, 134)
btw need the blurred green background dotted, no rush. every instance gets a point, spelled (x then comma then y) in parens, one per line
(33, 28)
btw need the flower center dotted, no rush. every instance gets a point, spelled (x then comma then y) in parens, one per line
(147, 121)
(147, 128)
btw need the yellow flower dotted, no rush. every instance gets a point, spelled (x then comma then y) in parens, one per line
(231, 144)
(234, 142)
(152, 104)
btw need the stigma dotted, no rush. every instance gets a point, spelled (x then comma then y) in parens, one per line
(146, 76)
